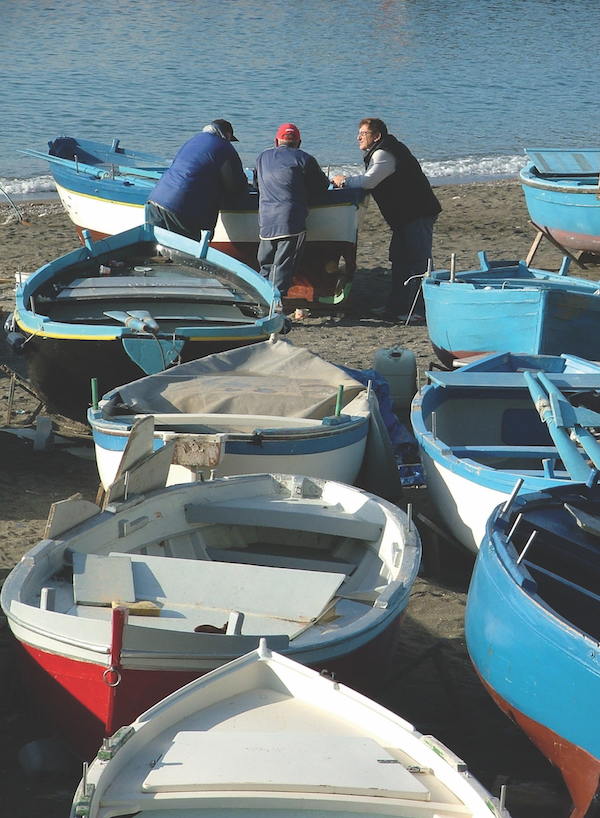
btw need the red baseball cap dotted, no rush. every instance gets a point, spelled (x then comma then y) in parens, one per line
(288, 131)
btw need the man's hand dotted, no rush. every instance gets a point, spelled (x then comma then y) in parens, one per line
(338, 181)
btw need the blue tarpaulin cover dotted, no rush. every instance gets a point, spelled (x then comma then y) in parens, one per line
(404, 443)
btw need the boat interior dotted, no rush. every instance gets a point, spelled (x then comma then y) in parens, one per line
(172, 287)
(563, 558)
(507, 273)
(240, 568)
(502, 430)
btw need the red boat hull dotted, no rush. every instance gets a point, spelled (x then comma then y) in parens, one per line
(81, 703)
(579, 769)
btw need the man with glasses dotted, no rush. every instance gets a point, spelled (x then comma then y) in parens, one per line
(409, 206)
(187, 197)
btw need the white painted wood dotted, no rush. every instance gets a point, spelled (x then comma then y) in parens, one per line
(285, 594)
(291, 514)
(144, 476)
(288, 762)
(139, 444)
(264, 735)
(100, 580)
(66, 514)
(279, 560)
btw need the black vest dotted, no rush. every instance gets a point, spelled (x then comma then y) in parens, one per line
(406, 194)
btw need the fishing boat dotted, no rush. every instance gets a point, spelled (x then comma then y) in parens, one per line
(130, 305)
(276, 738)
(504, 421)
(532, 626)
(561, 193)
(116, 608)
(104, 187)
(261, 408)
(507, 306)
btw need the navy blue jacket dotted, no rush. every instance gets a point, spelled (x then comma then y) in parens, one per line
(203, 169)
(286, 177)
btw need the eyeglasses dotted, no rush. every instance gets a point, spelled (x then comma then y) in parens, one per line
(364, 133)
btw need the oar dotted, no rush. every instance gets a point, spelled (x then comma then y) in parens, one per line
(136, 320)
(571, 417)
(567, 449)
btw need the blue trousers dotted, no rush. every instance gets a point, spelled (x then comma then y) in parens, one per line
(410, 253)
(279, 259)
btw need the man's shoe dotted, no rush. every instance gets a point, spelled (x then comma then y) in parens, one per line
(414, 320)
(385, 313)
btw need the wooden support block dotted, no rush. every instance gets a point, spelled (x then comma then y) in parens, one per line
(44, 436)
(144, 608)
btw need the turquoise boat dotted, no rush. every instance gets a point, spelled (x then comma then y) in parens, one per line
(131, 305)
(533, 627)
(508, 306)
(502, 424)
(561, 192)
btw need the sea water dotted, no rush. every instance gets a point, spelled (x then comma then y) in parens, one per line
(466, 84)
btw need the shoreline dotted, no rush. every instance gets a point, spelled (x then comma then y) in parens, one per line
(489, 216)
(33, 197)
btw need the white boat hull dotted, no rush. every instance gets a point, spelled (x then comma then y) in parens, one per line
(276, 739)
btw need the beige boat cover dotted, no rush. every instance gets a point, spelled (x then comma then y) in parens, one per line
(270, 378)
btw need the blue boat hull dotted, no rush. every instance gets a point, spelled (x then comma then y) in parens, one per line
(479, 433)
(547, 315)
(566, 207)
(532, 633)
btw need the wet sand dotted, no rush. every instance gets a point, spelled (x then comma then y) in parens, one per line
(433, 684)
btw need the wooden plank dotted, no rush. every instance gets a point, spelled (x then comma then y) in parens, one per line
(101, 580)
(103, 287)
(66, 514)
(512, 380)
(277, 560)
(282, 593)
(287, 516)
(536, 452)
(305, 762)
(145, 476)
(559, 162)
(139, 446)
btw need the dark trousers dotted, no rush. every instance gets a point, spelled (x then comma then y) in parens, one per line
(280, 259)
(163, 217)
(410, 253)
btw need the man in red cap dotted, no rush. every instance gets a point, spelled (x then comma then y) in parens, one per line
(285, 177)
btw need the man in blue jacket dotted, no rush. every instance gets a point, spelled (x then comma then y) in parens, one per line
(285, 177)
(187, 197)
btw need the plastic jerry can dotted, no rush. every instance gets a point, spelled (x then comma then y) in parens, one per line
(399, 367)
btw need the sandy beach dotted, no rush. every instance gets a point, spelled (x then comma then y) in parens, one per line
(433, 684)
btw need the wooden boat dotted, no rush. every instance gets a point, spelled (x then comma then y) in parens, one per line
(532, 627)
(133, 304)
(504, 421)
(561, 193)
(131, 603)
(262, 408)
(104, 187)
(275, 738)
(506, 306)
